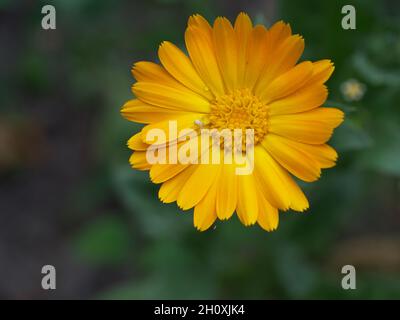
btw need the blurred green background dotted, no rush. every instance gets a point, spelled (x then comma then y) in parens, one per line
(69, 198)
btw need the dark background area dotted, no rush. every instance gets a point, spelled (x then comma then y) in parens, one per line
(69, 198)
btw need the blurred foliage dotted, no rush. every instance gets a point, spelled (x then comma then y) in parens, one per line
(95, 46)
(105, 241)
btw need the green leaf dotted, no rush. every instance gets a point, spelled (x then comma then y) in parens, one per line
(385, 155)
(351, 136)
(139, 196)
(104, 241)
(374, 74)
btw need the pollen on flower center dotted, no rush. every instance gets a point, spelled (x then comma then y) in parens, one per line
(240, 109)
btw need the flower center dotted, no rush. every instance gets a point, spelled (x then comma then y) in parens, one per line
(240, 109)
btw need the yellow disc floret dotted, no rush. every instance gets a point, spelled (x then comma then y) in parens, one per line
(240, 109)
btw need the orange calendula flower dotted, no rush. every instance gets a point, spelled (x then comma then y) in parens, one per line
(234, 77)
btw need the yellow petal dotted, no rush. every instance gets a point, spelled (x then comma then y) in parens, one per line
(198, 185)
(269, 176)
(243, 27)
(288, 83)
(170, 98)
(162, 172)
(256, 51)
(138, 111)
(298, 200)
(268, 216)
(226, 51)
(295, 161)
(264, 48)
(281, 60)
(307, 98)
(276, 184)
(167, 127)
(138, 161)
(313, 127)
(201, 51)
(323, 154)
(323, 69)
(145, 71)
(136, 143)
(205, 211)
(278, 33)
(276, 36)
(199, 21)
(170, 189)
(227, 192)
(247, 204)
(181, 68)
